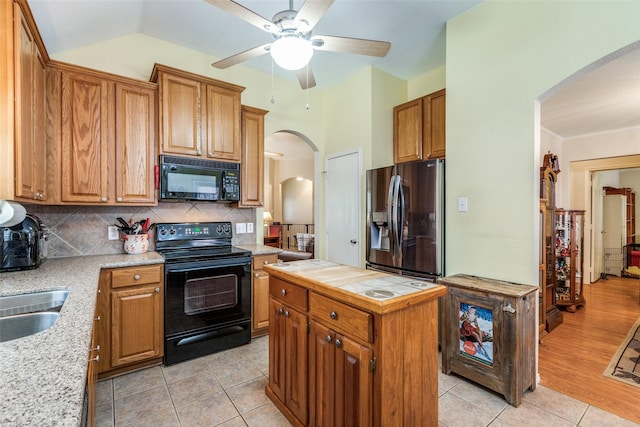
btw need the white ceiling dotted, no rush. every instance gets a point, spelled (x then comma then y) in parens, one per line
(606, 98)
(414, 28)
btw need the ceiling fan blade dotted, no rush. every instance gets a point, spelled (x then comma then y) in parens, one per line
(305, 77)
(245, 14)
(312, 10)
(350, 45)
(242, 56)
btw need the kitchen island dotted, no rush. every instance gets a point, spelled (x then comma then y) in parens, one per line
(43, 376)
(352, 347)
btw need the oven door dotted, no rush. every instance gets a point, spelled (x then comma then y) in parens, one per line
(207, 307)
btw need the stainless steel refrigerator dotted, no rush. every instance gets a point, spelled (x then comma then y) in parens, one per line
(405, 219)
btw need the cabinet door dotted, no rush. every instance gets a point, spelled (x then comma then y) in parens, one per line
(222, 113)
(30, 147)
(277, 340)
(322, 379)
(135, 142)
(180, 115)
(434, 109)
(85, 138)
(260, 315)
(136, 319)
(252, 167)
(296, 363)
(407, 131)
(353, 384)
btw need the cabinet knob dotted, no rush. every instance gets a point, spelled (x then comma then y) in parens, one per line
(333, 315)
(95, 359)
(338, 343)
(280, 311)
(257, 275)
(157, 290)
(136, 277)
(119, 199)
(96, 348)
(329, 338)
(97, 318)
(286, 313)
(265, 262)
(283, 292)
(103, 199)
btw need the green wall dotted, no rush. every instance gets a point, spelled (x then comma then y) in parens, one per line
(501, 56)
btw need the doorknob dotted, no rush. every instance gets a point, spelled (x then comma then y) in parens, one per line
(353, 241)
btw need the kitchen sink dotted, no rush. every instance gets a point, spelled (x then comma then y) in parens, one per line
(22, 325)
(22, 315)
(32, 302)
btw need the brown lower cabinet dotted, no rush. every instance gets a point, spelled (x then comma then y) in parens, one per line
(130, 319)
(260, 294)
(336, 359)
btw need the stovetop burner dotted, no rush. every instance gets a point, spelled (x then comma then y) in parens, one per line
(196, 241)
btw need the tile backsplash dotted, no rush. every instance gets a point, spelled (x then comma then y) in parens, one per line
(82, 230)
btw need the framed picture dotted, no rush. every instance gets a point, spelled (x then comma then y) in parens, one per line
(476, 332)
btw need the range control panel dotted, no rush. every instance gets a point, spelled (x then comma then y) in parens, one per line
(194, 231)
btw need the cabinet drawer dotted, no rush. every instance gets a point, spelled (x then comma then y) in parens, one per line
(288, 293)
(260, 260)
(134, 276)
(342, 317)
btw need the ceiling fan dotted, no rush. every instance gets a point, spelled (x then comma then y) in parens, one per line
(294, 45)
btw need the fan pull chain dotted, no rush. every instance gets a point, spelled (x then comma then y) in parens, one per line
(307, 90)
(273, 100)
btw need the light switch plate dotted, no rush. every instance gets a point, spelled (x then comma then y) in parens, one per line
(112, 232)
(241, 227)
(463, 204)
(249, 227)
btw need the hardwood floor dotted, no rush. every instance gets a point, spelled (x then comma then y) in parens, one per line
(574, 355)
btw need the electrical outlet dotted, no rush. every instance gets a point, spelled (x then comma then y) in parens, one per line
(463, 204)
(241, 227)
(113, 232)
(249, 227)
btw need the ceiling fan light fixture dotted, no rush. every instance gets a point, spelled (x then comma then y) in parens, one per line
(291, 52)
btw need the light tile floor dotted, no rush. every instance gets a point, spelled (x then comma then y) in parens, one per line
(227, 389)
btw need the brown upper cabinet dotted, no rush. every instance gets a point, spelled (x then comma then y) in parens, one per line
(23, 116)
(102, 137)
(419, 128)
(199, 116)
(252, 167)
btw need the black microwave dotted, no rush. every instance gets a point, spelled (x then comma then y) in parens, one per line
(183, 178)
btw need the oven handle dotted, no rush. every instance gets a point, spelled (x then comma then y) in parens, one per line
(209, 335)
(184, 268)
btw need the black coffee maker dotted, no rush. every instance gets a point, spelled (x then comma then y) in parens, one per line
(24, 245)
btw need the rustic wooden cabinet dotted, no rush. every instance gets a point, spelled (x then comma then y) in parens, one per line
(364, 359)
(488, 333)
(199, 116)
(252, 167)
(133, 318)
(419, 128)
(569, 258)
(288, 338)
(260, 294)
(103, 132)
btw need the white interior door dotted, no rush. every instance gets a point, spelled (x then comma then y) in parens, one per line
(342, 205)
(613, 232)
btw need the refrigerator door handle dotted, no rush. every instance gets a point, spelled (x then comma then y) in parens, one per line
(397, 254)
(400, 220)
(390, 218)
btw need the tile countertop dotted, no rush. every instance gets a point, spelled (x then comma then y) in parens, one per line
(373, 290)
(42, 376)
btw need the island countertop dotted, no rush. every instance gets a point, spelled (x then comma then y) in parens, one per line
(43, 376)
(374, 291)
